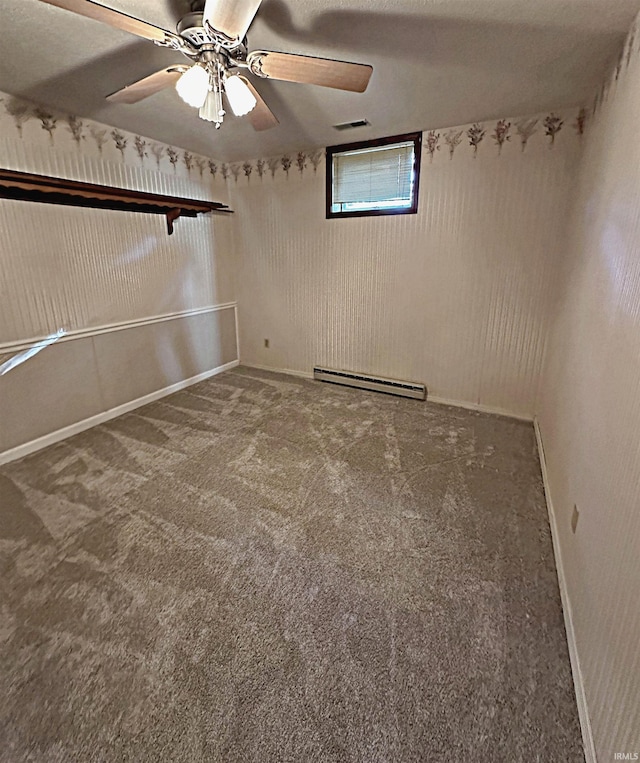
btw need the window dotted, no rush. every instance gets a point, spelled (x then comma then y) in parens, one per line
(375, 177)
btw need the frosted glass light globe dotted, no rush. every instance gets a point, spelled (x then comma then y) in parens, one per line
(193, 86)
(241, 99)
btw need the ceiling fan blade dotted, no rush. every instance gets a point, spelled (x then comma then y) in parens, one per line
(115, 19)
(327, 72)
(260, 116)
(143, 88)
(231, 17)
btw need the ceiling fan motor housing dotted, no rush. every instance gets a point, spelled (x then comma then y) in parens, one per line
(191, 28)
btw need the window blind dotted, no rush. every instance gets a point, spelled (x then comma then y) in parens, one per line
(374, 176)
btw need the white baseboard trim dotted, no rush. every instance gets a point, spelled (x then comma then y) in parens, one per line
(477, 407)
(289, 371)
(581, 697)
(430, 398)
(20, 451)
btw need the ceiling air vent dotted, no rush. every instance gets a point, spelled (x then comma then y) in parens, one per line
(351, 125)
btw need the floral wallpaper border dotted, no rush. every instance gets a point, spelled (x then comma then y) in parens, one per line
(138, 148)
(629, 50)
(449, 140)
(131, 147)
(503, 131)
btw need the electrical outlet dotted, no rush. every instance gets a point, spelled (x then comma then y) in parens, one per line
(574, 518)
(266, 343)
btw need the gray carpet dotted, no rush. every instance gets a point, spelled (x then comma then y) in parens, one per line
(263, 568)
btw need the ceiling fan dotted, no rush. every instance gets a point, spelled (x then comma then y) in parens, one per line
(213, 37)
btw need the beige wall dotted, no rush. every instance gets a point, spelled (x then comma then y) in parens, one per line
(457, 296)
(464, 296)
(590, 415)
(138, 306)
(91, 377)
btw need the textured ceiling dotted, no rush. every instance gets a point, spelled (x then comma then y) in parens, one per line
(436, 63)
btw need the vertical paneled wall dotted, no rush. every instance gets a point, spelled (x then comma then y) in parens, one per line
(91, 272)
(590, 413)
(457, 296)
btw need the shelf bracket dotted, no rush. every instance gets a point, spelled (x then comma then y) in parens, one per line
(172, 215)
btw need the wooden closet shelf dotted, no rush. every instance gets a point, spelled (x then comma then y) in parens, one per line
(24, 186)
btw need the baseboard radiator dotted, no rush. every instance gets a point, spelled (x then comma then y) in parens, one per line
(375, 383)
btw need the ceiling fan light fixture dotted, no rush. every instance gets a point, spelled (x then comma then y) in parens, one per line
(209, 110)
(241, 99)
(212, 109)
(213, 37)
(193, 86)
